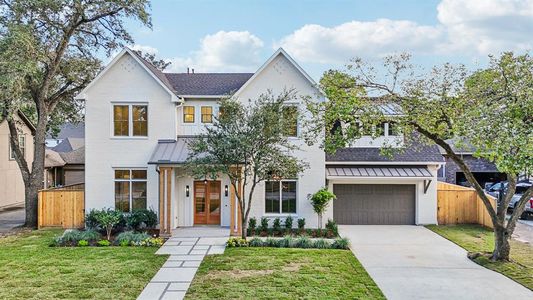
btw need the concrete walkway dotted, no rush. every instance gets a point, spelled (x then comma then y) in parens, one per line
(187, 248)
(412, 262)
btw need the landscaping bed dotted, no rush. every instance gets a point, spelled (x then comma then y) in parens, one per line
(475, 238)
(284, 228)
(273, 273)
(30, 269)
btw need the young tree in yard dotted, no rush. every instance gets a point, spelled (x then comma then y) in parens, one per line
(60, 40)
(247, 142)
(320, 201)
(491, 109)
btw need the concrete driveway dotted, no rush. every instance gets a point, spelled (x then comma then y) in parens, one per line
(10, 219)
(412, 262)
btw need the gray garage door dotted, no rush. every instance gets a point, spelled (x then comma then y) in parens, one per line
(374, 204)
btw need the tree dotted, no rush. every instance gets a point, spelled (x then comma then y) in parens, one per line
(160, 64)
(248, 144)
(320, 201)
(63, 39)
(491, 109)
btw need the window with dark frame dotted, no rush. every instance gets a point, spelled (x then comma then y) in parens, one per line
(280, 197)
(188, 114)
(207, 114)
(130, 189)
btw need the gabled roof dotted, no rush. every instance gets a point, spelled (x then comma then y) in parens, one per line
(24, 119)
(70, 130)
(69, 144)
(75, 157)
(280, 51)
(207, 84)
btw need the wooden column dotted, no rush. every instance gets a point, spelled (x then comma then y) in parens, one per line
(165, 201)
(235, 215)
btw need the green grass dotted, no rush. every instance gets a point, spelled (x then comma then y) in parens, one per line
(29, 269)
(282, 273)
(475, 238)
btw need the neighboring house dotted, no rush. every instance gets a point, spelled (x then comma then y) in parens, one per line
(11, 183)
(484, 171)
(65, 163)
(139, 119)
(67, 130)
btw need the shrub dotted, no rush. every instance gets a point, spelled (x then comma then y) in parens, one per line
(256, 242)
(91, 220)
(288, 222)
(152, 242)
(90, 235)
(71, 237)
(304, 242)
(276, 225)
(341, 243)
(237, 242)
(103, 243)
(131, 238)
(252, 223)
(141, 218)
(124, 243)
(301, 224)
(270, 242)
(264, 224)
(286, 242)
(332, 226)
(321, 244)
(83, 243)
(108, 219)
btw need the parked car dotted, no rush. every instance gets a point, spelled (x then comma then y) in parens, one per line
(521, 188)
(494, 190)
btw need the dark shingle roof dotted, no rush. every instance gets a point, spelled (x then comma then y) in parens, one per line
(418, 153)
(75, 157)
(158, 73)
(207, 83)
(69, 144)
(70, 130)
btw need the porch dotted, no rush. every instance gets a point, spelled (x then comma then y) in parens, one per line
(185, 202)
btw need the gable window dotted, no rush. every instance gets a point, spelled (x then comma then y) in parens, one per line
(290, 119)
(22, 146)
(207, 114)
(280, 197)
(130, 189)
(188, 114)
(130, 120)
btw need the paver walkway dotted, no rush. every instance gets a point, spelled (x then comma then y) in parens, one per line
(187, 248)
(412, 262)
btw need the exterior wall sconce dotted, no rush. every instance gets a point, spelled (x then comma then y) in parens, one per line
(187, 191)
(226, 190)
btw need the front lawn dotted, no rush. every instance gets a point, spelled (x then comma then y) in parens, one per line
(29, 269)
(475, 238)
(282, 273)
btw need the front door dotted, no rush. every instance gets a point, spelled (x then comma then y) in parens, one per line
(207, 202)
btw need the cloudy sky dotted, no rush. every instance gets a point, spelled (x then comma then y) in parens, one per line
(238, 36)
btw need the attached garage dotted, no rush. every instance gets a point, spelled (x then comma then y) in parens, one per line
(374, 204)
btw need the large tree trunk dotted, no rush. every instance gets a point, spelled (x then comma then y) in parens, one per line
(35, 181)
(502, 248)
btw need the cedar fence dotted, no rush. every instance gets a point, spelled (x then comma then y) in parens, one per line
(461, 205)
(62, 207)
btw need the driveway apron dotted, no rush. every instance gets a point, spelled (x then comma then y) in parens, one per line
(412, 262)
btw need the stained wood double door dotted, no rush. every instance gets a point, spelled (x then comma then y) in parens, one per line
(207, 202)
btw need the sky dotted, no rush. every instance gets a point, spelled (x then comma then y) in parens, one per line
(240, 35)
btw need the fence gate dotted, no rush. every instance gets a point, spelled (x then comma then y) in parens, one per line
(62, 207)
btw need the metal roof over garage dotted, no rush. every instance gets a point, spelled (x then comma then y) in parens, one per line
(379, 171)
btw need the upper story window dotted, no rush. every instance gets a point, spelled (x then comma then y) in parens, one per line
(280, 197)
(290, 117)
(130, 120)
(22, 146)
(207, 114)
(188, 114)
(130, 189)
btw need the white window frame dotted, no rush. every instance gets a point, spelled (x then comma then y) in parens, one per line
(130, 120)
(131, 181)
(280, 213)
(22, 140)
(202, 114)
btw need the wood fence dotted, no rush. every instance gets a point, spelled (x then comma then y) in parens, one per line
(62, 207)
(461, 205)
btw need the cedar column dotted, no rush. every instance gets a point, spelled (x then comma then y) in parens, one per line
(235, 215)
(165, 201)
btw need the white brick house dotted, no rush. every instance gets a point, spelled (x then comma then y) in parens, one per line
(137, 123)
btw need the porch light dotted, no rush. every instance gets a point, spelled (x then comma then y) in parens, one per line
(226, 190)
(186, 191)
